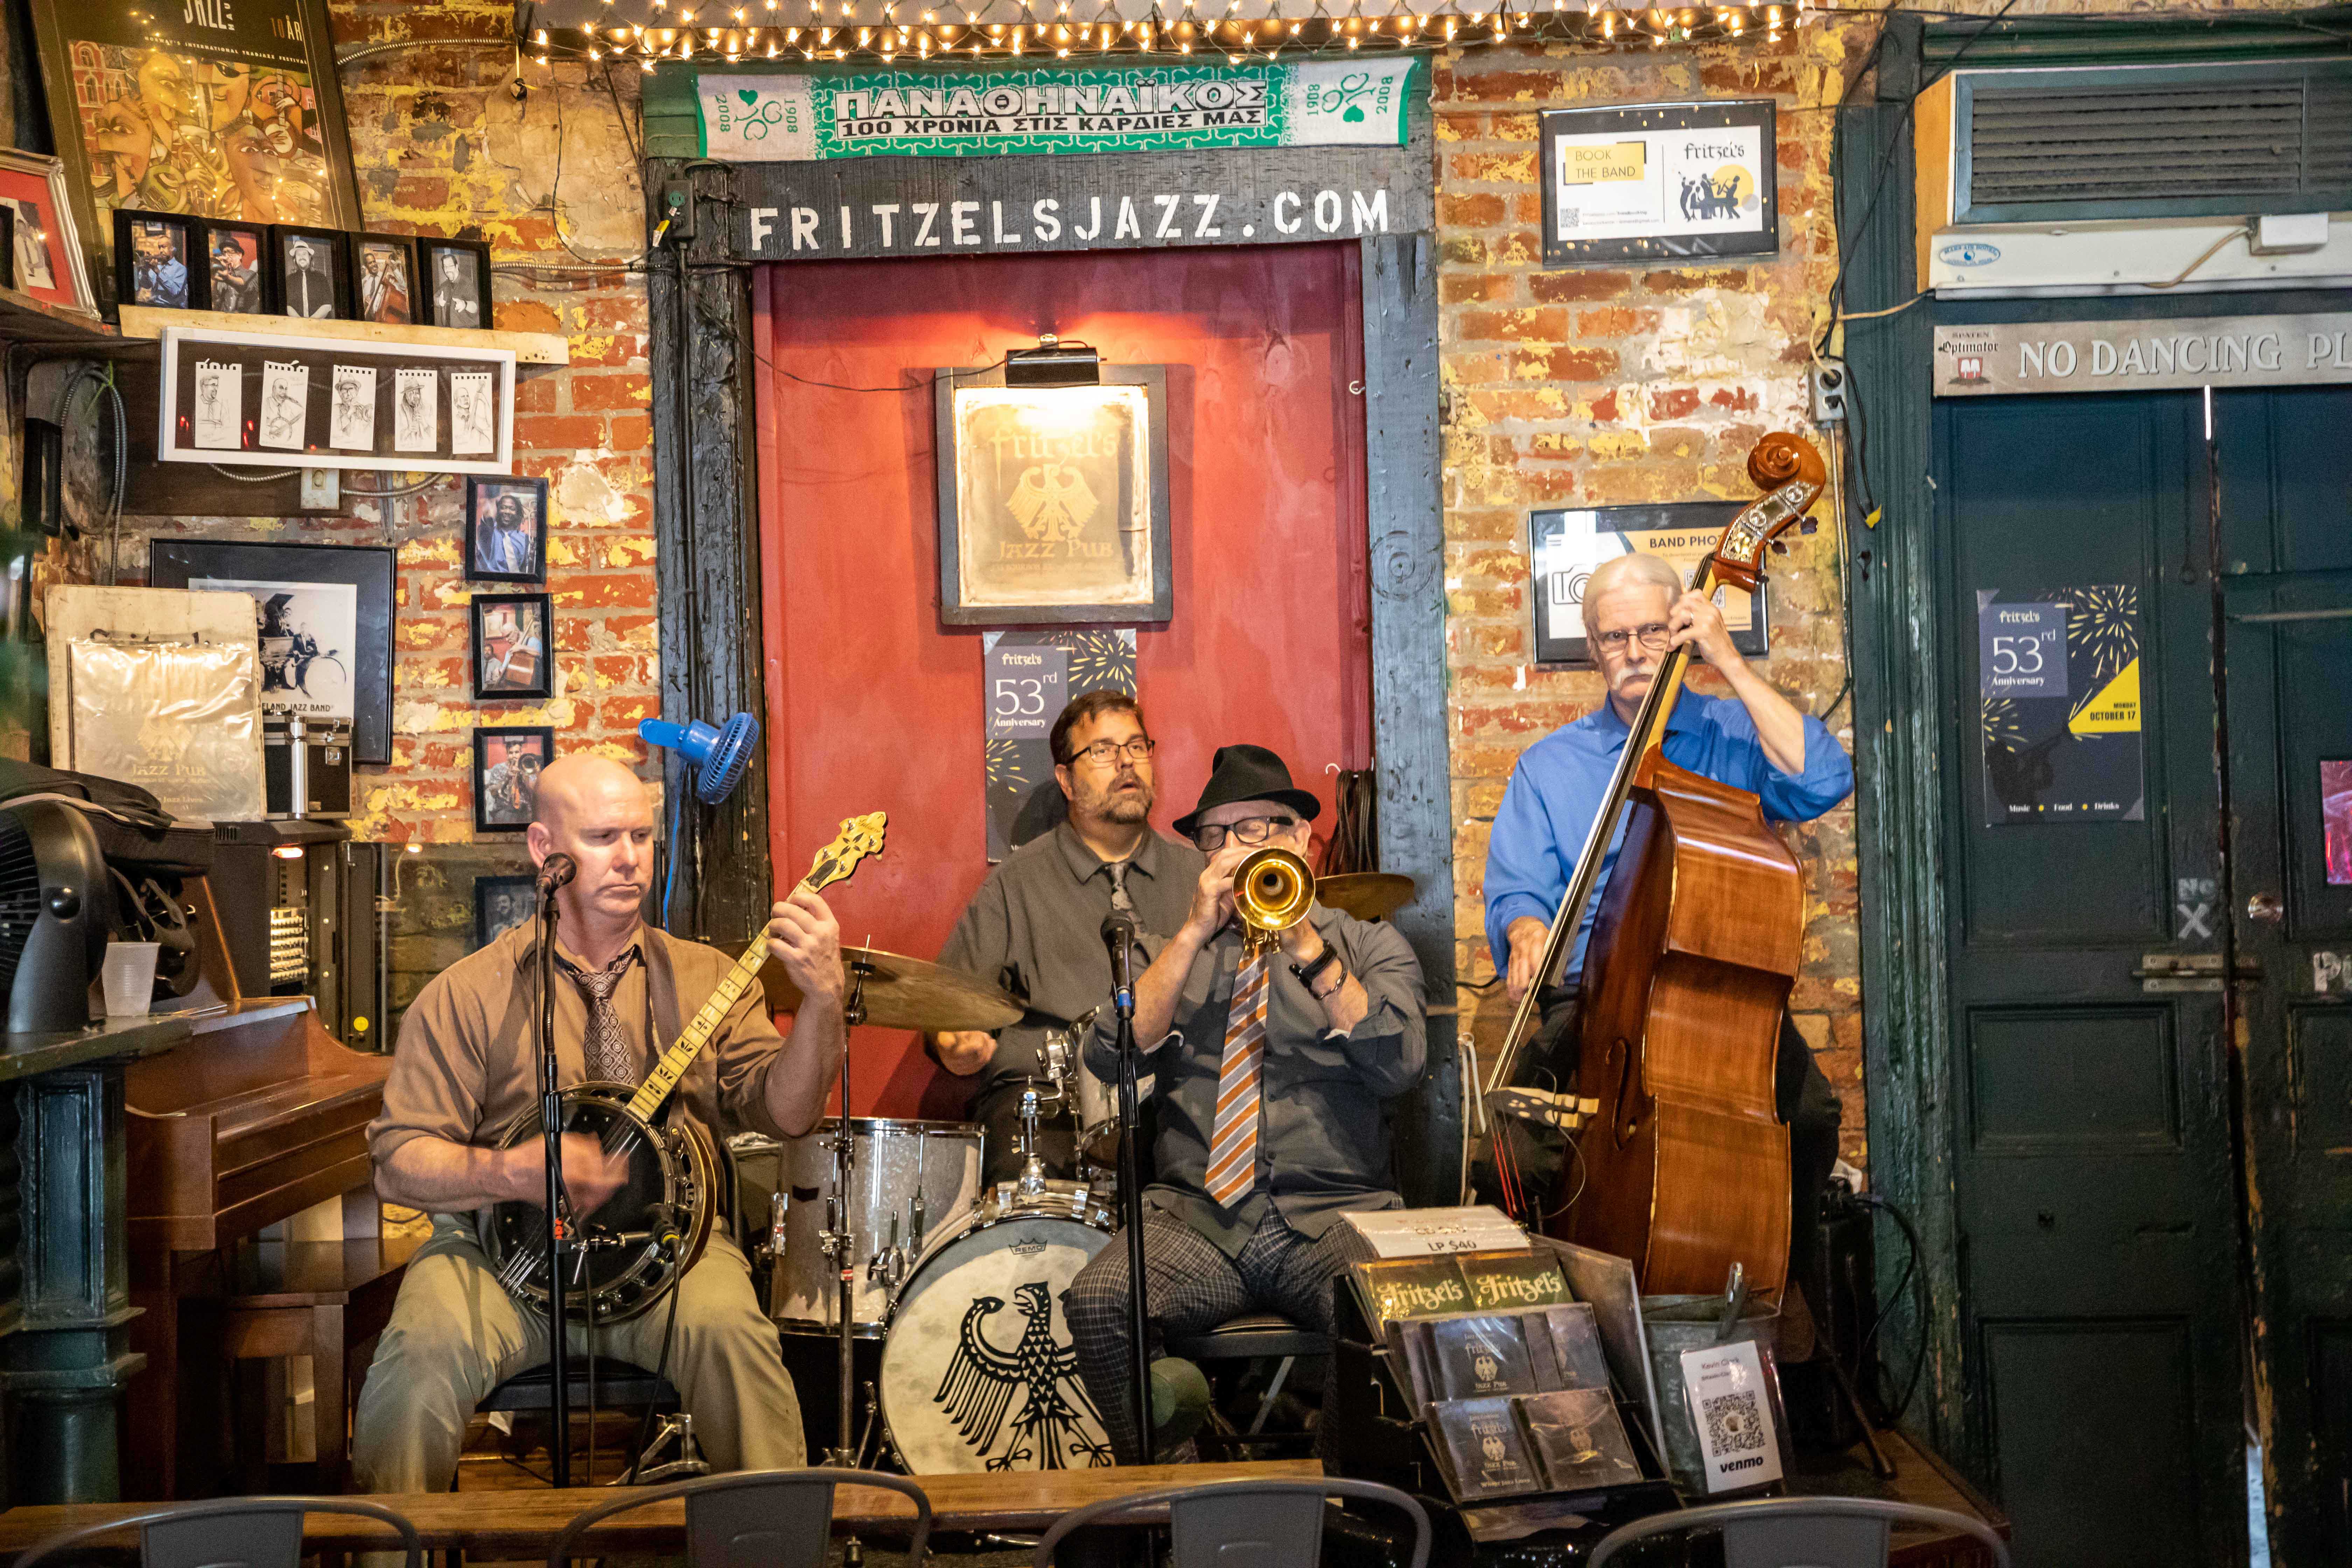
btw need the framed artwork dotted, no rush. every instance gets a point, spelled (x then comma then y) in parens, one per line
(312, 270)
(506, 530)
(513, 646)
(44, 243)
(1568, 544)
(454, 282)
(327, 648)
(1053, 500)
(2335, 814)
(157, 260)
(231, 112)
(1655, 182)
(501, 903)
(237, 269)
(507, 766)
(384, 278)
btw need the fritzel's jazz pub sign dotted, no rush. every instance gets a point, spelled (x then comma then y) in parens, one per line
(892, 162)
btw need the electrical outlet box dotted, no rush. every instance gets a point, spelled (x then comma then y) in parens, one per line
(321, 489)
(1826, 385)
(677, 211)
(2288, 234)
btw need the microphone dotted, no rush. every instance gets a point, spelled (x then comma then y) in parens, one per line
(1119, 935)
(555, 872)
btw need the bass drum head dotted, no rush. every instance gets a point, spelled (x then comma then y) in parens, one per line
(978, 1372)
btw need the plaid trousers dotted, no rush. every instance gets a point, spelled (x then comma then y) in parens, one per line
(1193, 1287)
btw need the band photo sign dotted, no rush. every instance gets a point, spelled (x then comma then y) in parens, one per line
(332, 405)
(1053, 500)
(1570, 544)
(1657, 181)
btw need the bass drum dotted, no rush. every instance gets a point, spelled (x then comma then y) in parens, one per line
(977, 1371)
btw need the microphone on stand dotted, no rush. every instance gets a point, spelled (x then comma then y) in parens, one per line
(554, 871)
(1119, 935)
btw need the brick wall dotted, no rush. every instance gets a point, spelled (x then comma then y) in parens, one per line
(1601, 386)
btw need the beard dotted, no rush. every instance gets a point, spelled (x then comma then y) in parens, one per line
(1125, 806)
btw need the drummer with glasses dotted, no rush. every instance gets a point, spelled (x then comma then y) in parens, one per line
(1036, 925)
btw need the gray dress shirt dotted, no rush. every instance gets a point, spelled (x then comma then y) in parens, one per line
(1035, 927)
(1323, 1144)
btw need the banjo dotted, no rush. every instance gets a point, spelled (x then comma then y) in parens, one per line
(640, 1242)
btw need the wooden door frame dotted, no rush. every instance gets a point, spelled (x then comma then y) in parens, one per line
(1897, 619)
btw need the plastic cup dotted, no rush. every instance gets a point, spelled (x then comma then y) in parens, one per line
(128, 974)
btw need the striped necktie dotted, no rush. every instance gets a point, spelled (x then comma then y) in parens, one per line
(1233, 1137)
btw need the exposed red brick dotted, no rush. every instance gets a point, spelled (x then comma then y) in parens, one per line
(1566, 287)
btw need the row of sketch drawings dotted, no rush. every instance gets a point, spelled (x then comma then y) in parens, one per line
(282, 420)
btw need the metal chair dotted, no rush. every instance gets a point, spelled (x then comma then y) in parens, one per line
(1240, 1524)
(234, 1532)
(1801, 1532)
(752, 1519)
(1254, 1336)
(619, 1385)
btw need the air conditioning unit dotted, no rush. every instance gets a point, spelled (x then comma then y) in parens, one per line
(2135, 179)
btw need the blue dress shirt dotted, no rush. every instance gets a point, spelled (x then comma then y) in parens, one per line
(1560, 781)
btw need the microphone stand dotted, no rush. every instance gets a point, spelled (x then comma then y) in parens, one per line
(551, 1115)
(1130, 1203)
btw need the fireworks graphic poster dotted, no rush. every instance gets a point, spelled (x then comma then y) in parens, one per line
(2058, 673)
(1029, 676)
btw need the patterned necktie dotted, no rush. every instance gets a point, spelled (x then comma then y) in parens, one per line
(606, 1049)
(1118, 899)
(1233, 1137)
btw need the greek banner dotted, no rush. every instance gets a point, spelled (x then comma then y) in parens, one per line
(803, 117)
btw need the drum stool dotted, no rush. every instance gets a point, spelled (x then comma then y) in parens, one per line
(620, 1385)
(1253, 1337)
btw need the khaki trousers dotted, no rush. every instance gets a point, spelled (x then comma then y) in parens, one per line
(454, 1334)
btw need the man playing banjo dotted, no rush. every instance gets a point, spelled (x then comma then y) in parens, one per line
(465, 1074)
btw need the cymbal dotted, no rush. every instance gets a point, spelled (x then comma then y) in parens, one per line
(1367, 895)
(906, 993)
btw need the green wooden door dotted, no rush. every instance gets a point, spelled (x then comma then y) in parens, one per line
(2089, 1122)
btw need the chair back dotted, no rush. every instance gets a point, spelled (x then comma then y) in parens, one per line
(228, 1532)
(1802, 1531)
(751, 1519)
(1272, 1523)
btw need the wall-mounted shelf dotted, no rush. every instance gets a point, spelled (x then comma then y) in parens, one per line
(531, 349)
(24, 320)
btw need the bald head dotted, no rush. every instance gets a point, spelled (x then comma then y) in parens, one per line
(581, 783)
(599, 812)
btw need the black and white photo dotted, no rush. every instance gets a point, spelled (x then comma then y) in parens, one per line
(310, 636)
(507, 766)
(501, 903)
(512, 641)
(455, 274)
(311, 281)
(506, 523)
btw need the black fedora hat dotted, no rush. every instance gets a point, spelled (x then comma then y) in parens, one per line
(1248, 772)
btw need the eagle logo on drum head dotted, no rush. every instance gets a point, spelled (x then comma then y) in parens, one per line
(1053, 1428)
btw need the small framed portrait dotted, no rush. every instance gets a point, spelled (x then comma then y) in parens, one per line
(507, 766)
(513, 646)
(384, 278)
(236, 272)
(506, 530)
(312, 267)
(156, 261)
(454, 278)
(42, 242)
(501, 903)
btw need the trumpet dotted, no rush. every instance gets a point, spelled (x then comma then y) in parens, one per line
(1273, 890)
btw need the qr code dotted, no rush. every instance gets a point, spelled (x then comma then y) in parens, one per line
(1733, 1423)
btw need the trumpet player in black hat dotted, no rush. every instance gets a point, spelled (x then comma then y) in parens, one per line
(1276, 1028)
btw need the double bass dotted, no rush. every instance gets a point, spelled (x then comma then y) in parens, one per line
(1684, 1160)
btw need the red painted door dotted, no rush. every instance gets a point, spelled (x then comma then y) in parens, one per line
(871, 702)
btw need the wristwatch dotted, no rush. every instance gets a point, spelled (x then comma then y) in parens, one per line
(1309, 972)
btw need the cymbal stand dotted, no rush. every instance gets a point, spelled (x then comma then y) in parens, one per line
(839, 1238)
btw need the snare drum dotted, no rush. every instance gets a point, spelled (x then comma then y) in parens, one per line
(910, 1179)
(978, 1372)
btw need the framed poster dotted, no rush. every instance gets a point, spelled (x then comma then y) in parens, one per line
(332, 634)
(1053, 500)
(1566, 545)
(507, 766)
(2058, 676)
(1028, 677)
(45, 242)
(218, 110)
(1655, 182)
(2335, 818)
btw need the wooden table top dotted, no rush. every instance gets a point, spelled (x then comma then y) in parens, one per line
(520, 1525)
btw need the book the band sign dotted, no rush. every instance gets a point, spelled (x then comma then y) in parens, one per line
(2036, 357)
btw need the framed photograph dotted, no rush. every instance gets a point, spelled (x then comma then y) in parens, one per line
(43, 241)
(455, 283)
(513, 646)
(384, 278)
(237, 270)
(507, 766)
(220, 111)
(2336, 817)
(1568, 544)
(1659, 182)
(312, 270)
(502, 903)
(506, 530)
(157, 261)
(327, 649)
(1053, 500)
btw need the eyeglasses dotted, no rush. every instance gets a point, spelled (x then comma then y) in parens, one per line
(1104, 753)
(1654, 637)
(1210, 837)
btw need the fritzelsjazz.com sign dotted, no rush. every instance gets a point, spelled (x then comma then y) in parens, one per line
(2142, 355)
(805, 116)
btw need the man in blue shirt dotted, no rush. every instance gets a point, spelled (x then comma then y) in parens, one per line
(1636, 608)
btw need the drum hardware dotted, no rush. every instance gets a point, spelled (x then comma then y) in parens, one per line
(1273, 890)
(838, 1239)
(1034, 1106)
(904, 993)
